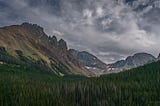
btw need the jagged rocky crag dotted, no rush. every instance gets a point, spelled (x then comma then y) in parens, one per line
(30, 41)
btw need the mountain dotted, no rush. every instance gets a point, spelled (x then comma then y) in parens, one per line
(90, 61)
(28, 43)
(136, 60)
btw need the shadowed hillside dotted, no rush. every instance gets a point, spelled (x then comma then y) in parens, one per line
(23, 85)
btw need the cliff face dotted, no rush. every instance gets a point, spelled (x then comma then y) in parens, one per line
(31, 41)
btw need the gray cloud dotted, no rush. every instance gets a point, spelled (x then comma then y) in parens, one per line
(108, 29)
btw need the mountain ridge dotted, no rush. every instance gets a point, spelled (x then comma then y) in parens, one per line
(134, 61)
(29, 41)
(94, 64)
(90, 61)
(34, 43)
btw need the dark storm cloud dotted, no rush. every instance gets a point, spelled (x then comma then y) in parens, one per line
(110, 30)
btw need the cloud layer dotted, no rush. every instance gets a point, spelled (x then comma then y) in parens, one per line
(109, 29)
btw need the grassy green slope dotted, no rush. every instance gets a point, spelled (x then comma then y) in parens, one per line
(20, 86)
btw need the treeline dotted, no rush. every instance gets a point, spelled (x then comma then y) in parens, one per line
(20, 86)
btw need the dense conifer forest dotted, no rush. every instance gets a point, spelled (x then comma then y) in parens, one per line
(25, 86)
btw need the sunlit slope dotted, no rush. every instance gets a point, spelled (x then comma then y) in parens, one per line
(31, 40)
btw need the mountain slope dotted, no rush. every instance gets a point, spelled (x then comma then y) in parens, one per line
(89, 61)
(138, 59)
(94, 64)
(34, 44)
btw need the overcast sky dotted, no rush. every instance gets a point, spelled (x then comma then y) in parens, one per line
(108, 29)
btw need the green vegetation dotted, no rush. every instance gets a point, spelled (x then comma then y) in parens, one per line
(23, 84)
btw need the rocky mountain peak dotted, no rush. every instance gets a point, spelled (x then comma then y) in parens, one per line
(62, 45)
(53, 41)
(33, 26)
(90, 61)
(73, 52)
(35, 29)
(31, 44)
(136, 60)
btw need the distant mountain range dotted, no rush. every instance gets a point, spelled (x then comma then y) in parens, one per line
(27, 43)
(130, 62)
(134, 61)
(91, 62)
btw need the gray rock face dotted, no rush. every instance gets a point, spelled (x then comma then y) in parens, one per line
(136, 60)
(53, 41)
(62, 45)
(93, 63)
(88, 60)
(35, 29)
